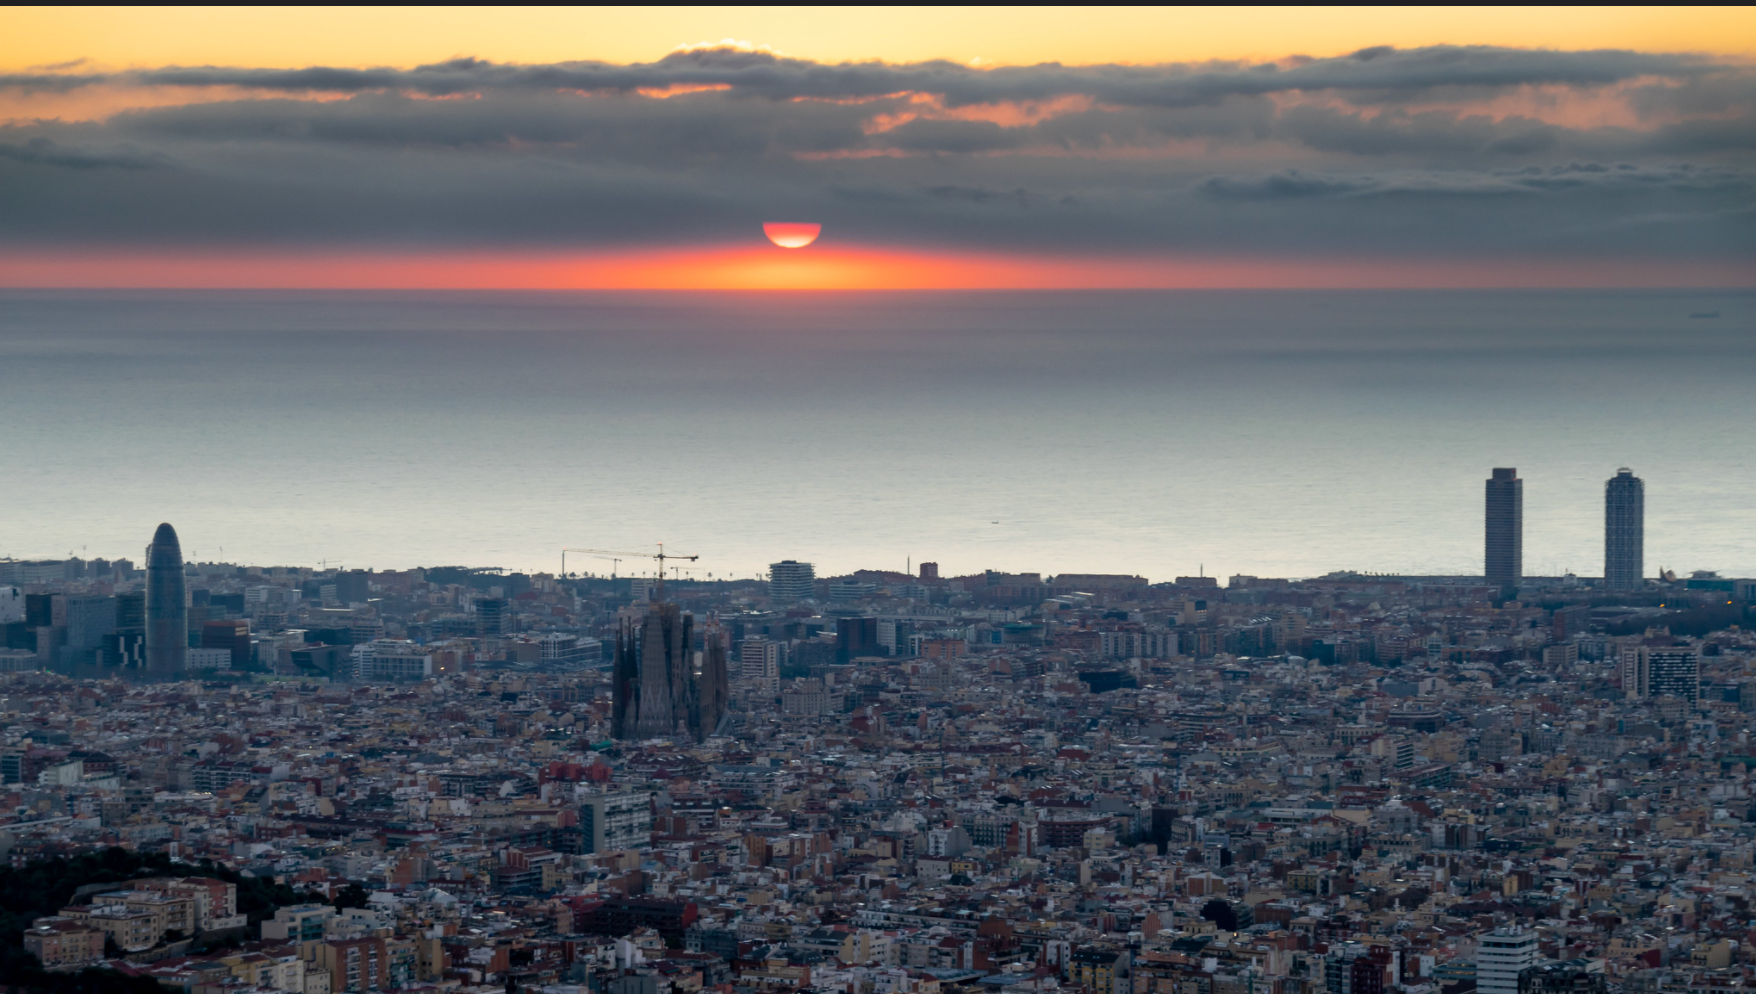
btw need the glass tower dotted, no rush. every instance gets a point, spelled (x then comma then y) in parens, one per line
(167, 608)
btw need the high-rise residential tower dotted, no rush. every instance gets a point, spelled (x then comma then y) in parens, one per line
(1501, 956)
(1505, 529)
(790, 581)
(1624, 530)
(167, 606)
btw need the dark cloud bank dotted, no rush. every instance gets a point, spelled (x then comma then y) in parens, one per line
(1380, 151)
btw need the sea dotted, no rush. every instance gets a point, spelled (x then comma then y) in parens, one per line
(1158, 433)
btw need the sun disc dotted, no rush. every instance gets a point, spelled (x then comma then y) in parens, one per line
(791, 235)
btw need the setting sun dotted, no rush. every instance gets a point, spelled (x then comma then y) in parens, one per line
(791, 235)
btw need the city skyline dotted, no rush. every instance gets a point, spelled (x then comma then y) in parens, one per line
(905, 500)
(1503, 544)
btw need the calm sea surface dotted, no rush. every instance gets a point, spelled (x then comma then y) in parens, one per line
(1277, 433)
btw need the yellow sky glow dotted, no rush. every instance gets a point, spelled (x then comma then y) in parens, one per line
(116, 37)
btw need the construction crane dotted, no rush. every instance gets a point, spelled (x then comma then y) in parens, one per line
(616, 558)
(614, 561)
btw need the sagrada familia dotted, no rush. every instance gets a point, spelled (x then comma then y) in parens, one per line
(658, 693)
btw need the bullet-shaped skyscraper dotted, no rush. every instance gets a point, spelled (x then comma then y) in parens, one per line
(167, 609)
(1504, 560)
(1624, 530)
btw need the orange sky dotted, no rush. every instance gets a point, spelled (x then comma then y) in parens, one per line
(767, 268)
(120, 37)
(108, 38)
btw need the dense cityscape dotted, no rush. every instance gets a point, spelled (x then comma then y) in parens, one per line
(633, 780)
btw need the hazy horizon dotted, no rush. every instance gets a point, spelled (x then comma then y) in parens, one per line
(1275, 433)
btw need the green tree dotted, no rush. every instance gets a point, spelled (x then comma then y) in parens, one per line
(351, 896)
(1221, 914)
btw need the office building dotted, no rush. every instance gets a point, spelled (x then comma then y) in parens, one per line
(167, 605)
(790, 581)
(1502, 956)
(611, 822)
(232, 636)
(1624, 530)
(856, 637)
(1674, 671)
(896, 636)
(493, 617)
(760, 659)
(87, 619)
(394, 664)
(207, 659)
(131, 611)
(1504, 559)
(124, 648)
(759, 662)
(352, 587)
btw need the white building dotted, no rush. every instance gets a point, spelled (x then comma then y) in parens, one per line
(391, 660)
(948, 842)
(557, 648)
(1503, 954)
(612, 822)
(1160, 644)
(759, 661)
(809, 696)
(209, 659)
(11, 605)
(396, 665)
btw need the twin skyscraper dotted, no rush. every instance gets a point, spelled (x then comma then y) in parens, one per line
(1624, 530)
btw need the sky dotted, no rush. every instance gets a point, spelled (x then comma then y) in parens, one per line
(1074, 147)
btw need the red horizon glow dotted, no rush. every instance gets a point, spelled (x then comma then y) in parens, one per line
(841, 268)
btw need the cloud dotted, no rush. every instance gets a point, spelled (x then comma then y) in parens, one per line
(764, 74)
(1426, 133)
(43, 152)
(1382, 151)
(1280, 186)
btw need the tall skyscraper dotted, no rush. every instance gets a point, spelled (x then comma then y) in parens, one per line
(1624, 530)
(790, 581)
(1505, 529)
(167, 608)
